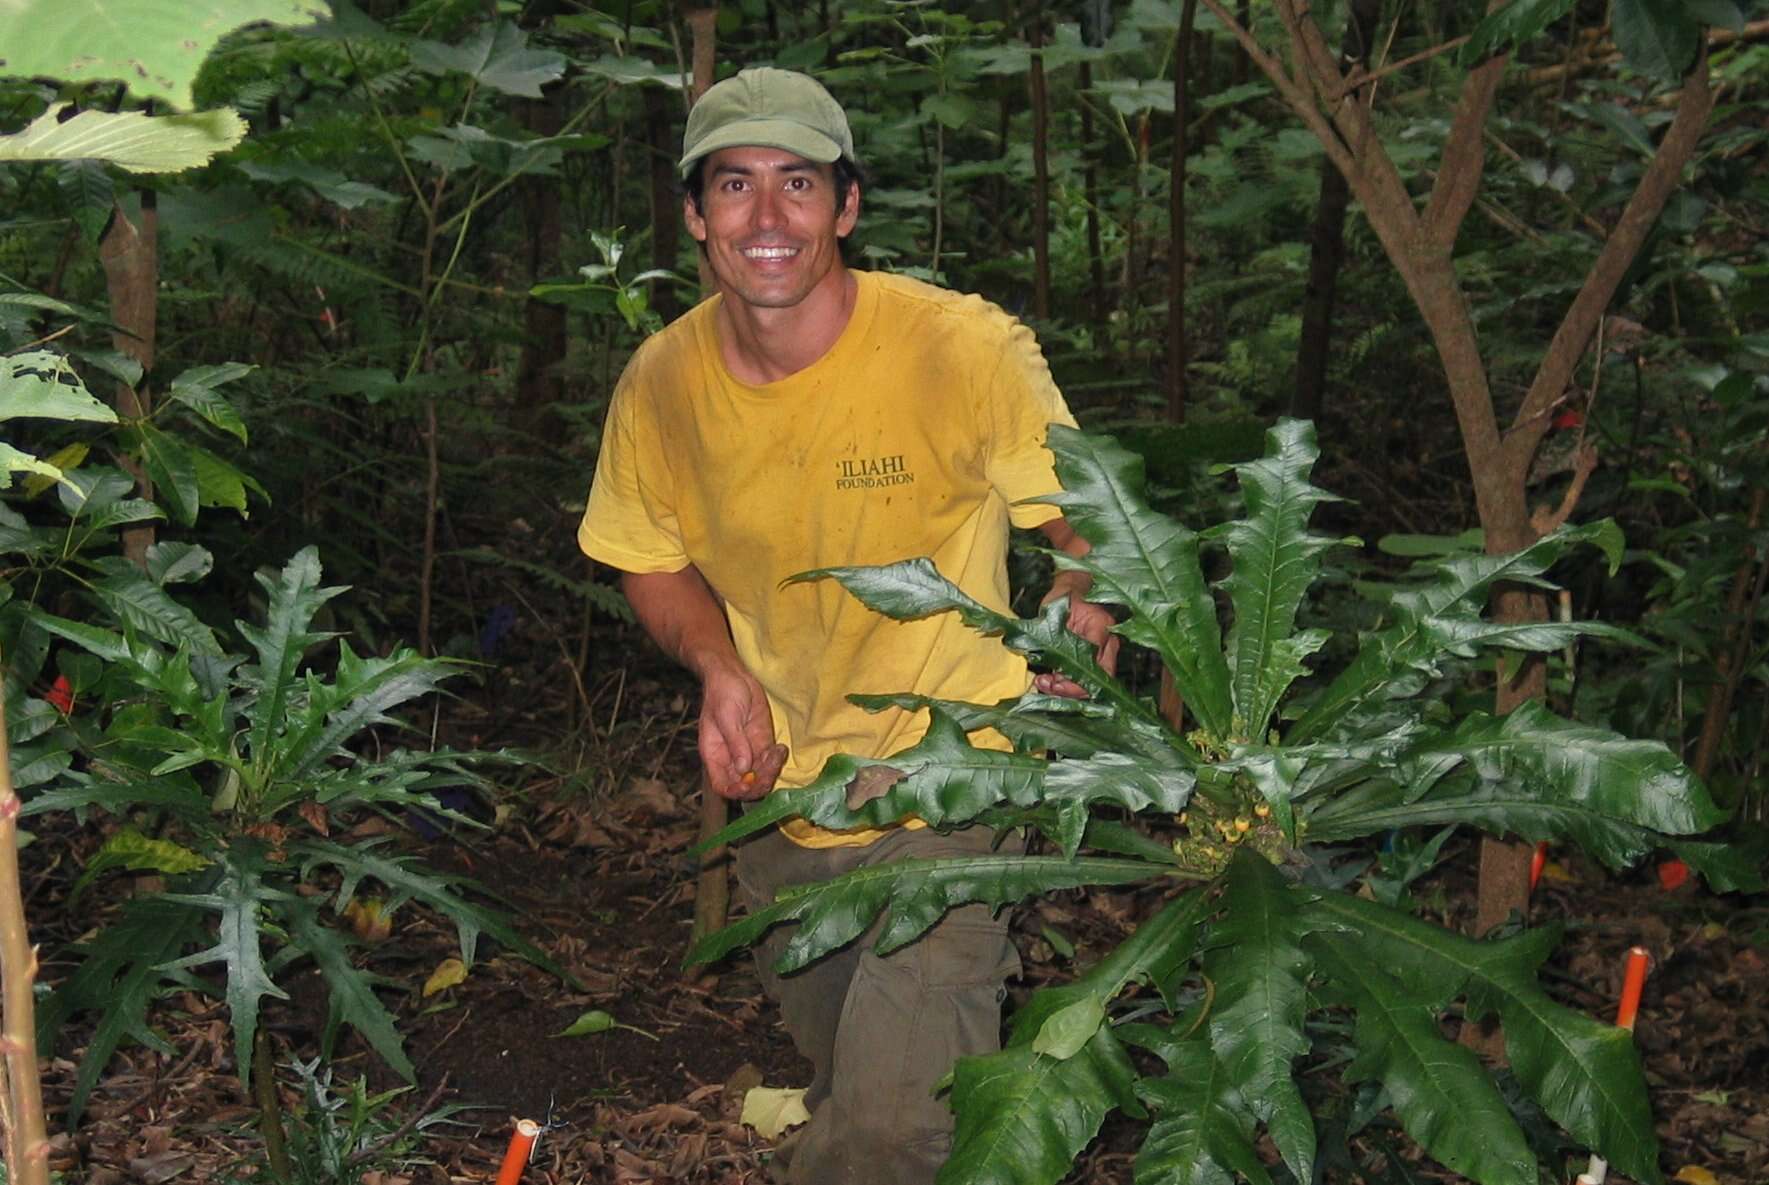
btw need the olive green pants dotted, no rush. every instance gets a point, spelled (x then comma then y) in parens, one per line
(880, 1032)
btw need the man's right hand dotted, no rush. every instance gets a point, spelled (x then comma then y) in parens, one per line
(737, 744)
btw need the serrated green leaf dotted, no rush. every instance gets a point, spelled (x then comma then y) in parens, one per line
(219, 483)
(294, 597)
(1640, 782)
(350, 995)
(43, 384)
(1024, 1117)
(496, 56)
(1201, 1134)
(1444, 613)
(1275, 560)
(1587, 1080)
(1440, 1092)
(133, 141)
(1145, 562)
(916, 893)
(912, 589)
(156, 46)
(360, 695)
(1256, 960)
(238, 897)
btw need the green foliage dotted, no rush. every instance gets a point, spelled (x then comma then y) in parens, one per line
(249, 764)
(342, 1134)
(1282, 757)
(132, 141)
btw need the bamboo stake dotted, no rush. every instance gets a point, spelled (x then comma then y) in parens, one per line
(1632, 982)
(520, 1151)
(27, 1142)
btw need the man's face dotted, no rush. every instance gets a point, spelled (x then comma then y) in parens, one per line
(770, 225)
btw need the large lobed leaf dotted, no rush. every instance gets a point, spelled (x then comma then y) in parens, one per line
(916, 894)
(911, 589)
(1147, 563)
(350, 992)
(1201, 1134)
(1275, 560)
(1257, 962)
(361, 693)
(1584, 1074)
(1439, 1090)
(945, 781)
(1024, 1116)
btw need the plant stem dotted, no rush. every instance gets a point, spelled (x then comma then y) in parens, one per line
(270, 1119)
(27, 1144)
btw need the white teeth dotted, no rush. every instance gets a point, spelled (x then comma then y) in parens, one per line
(770, 252)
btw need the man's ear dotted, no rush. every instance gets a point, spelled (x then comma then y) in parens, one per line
(849, 215)
(691, 218)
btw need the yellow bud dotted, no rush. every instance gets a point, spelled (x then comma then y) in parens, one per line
(1243, 824)
(1263, 810)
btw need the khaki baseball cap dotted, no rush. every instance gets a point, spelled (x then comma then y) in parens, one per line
(767, 108)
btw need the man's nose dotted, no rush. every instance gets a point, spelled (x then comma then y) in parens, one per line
(769, 212)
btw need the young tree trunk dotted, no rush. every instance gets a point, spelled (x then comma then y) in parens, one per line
(1040, 169)
(131, 258)
(703, 25)
(21, 1094)
(1327, 239)
(1096, 263)
(666, 201)
(1176, 249)
(539, 383)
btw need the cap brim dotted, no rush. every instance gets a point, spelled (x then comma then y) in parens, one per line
(766, 133)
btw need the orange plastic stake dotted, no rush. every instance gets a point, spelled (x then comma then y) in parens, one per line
(520, 1151)
(1632, 982)
(1538, 862)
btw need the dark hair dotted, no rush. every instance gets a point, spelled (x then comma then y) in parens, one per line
(847, 176)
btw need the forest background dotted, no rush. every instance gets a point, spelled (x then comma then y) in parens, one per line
(385, 314)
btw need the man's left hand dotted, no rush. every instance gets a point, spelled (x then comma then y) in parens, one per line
(1094, 623)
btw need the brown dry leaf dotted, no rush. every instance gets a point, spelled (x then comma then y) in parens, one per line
(872, 782)
(315, 815)
(163, 1166)
(1694, 1174)
(662, 1116)
(652, 795)
(689, 1152)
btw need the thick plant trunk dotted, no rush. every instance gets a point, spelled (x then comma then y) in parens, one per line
(1040, 170)
(703, 26)
(131, 258)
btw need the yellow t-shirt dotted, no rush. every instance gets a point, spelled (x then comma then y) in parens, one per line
(913, 436)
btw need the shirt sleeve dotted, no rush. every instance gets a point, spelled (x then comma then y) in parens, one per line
(630, 522)
(1021, 405)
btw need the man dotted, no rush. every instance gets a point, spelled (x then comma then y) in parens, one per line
(811, 415)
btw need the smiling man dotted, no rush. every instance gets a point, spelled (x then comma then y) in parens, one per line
(811, 415)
